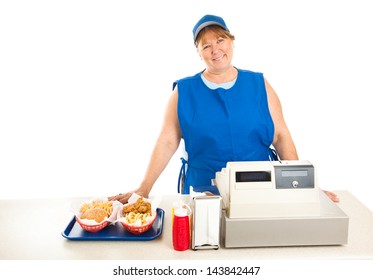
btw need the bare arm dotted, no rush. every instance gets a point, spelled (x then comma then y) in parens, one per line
(282, 140)
(166, 145)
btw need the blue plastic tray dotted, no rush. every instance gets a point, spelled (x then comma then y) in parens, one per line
(74, 231)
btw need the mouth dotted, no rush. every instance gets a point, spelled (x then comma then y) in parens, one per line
(218, 58)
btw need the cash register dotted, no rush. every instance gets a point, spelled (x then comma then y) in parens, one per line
(277, 203)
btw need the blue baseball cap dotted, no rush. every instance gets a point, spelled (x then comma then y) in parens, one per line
(208, 20)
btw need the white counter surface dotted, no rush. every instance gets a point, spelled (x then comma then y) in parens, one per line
(31, 229)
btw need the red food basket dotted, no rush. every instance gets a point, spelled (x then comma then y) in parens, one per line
(138, 229)
(92, 228)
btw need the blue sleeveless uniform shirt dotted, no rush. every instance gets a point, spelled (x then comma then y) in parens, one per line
(222, 125)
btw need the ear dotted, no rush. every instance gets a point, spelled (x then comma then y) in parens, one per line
(199, 54)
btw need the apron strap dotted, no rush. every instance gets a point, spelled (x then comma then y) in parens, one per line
(180, 184)
(273, 155)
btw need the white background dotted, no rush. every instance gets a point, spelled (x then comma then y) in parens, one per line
(84, 84)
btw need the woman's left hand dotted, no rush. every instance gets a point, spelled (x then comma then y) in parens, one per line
(332, 196)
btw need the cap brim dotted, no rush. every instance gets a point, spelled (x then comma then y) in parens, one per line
(205, 24)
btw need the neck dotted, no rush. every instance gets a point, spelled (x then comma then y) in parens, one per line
(219, 77)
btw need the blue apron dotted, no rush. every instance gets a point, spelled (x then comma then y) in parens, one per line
(222, 125)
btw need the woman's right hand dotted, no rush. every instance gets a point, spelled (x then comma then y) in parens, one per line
(123, 197)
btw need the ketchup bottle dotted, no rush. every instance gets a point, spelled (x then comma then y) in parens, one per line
(180, 230)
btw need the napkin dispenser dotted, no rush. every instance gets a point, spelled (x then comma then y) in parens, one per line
(206, 222)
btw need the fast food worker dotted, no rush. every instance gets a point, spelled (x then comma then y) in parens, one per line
(222, 113)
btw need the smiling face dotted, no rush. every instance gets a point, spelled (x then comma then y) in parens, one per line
(215, 47)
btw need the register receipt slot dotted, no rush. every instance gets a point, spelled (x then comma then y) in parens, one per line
(269, 189)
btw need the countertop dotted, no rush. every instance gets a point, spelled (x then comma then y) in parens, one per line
(31, 230)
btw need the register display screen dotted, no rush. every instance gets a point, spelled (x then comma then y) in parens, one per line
(253, 176)
(294, 173)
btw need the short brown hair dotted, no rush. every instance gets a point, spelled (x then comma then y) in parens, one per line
(219, 31)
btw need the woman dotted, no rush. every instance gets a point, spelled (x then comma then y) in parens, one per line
(222, 114)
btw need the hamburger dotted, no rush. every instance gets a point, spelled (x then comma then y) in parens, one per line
(95, 214)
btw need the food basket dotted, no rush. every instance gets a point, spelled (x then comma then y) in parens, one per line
(91, 225)
(137, 227)
(92, 228)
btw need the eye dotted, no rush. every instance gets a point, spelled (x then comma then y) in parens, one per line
(220, 40)
(204, 47)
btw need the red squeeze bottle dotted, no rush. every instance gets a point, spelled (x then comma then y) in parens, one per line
(180, 230)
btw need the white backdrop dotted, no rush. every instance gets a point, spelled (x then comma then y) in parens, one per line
(84, 84)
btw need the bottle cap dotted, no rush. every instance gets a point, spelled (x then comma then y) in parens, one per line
(181, 212)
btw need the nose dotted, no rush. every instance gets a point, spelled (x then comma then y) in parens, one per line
(214, 48)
